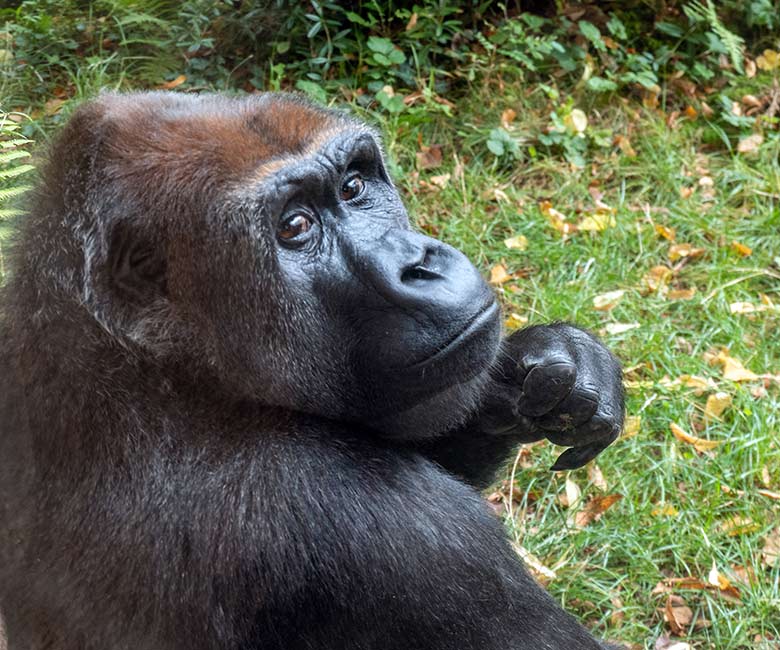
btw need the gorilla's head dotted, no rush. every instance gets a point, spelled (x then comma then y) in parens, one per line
(261, 239)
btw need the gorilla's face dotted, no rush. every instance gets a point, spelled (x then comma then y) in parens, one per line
(303, 281)
(400, 313)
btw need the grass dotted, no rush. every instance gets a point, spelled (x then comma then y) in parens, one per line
(609, 569)
(673, 520)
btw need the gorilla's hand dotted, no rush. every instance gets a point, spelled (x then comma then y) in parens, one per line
(557, 382)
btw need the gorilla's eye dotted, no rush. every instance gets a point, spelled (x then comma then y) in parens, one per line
(294, 227)
(352, 187)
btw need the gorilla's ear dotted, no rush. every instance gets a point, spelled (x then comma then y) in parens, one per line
(137, 264)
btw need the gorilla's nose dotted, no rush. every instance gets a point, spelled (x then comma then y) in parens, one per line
(425, 276)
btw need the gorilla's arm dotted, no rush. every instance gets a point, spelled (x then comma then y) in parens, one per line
(550, 381)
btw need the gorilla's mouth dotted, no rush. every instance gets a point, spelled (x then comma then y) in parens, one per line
(481, 323)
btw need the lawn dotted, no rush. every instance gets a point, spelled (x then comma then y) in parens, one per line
(649, 216)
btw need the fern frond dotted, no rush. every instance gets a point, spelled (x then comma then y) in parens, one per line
(699, 11)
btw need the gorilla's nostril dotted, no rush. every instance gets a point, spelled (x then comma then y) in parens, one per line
(428, 268)
(418, 273)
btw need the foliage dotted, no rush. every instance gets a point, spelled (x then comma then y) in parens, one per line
(13, 163)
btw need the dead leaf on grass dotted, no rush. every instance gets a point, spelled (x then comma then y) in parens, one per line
(677, 615)
(595, 508)
(700, 444)
(770, 554)
(608, 300)
(716, 404)
(518, 242)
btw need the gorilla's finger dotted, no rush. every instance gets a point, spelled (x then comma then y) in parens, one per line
(545, 386)
(578, 456)
(579, 407)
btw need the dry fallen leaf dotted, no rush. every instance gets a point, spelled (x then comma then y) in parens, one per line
(665, 510)
(429, 157)
(499, 275)
(666, 643)
(768, 61)
(737, 525)
(678, 251)
(542, 573)
(595, 507)
(717, 579)
(700, 444)
(599, 221)
(770, 554)
(596, 477)
(677, 614)
(657, 279)
(681, 294)
(716, 404)
(609, 300)
(631, 425)
(507, 117)
(733, 369)
(619, 328)
(518, 242)
(572, 493)
(576, 121)
(769, 494)
(624, 144)
(741, 249)
(557, 219)
(666, 232)
(750, 144)
(515, 321)
(173, 83)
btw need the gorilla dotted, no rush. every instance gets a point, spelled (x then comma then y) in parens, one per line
(245, 406)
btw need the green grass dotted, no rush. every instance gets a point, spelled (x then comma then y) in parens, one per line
(620, 558)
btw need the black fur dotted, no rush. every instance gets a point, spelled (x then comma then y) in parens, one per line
(214, 437)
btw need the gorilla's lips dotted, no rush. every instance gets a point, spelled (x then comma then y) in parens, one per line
(482, 327)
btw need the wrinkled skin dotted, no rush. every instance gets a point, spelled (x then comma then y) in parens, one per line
(244, 405)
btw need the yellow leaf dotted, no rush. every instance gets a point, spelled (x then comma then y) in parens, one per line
(441, 181)
(515, 321)
(657, 278)
(666, 232)
(507, 117)
(557, 219)
(738, 525)
(624, 144)
(741, 249)
(700, 444)
(768, 61)
(665, 511)
(499, 275)
(716, 404)
(631, 425)
(519, 242)
(750, 144)
(599, 221)
(677, 251)
(733, 370)
(609, 300)
(174, 83)
(717, 579)
(682, 294)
